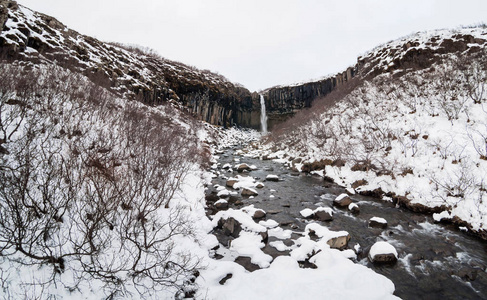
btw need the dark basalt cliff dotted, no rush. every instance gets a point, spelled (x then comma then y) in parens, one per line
(283, 102)
(129, 71)
(415, 52)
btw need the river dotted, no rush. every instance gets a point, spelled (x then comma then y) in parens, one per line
(436, 261)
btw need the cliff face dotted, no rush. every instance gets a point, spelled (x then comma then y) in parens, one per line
(415, 52)
(284, 101)
(138, 74)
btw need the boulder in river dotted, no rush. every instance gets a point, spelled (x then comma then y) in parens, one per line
(242, 167)
(353, 207)
(323, 214)
(231, 181)
(223, 193)
(377, 222)
(342, 201)
(230, 226)
(307, 213)
(382, 252)
(227, 166)
(249, 192)
(272, 177)
(339, 242)
(221, 204)
(259, 185)
(259, 214)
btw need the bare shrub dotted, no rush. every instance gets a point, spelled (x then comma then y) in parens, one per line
(90, 186)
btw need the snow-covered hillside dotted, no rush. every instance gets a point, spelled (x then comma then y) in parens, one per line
(413, 127)
(129, 71)
(99, 195)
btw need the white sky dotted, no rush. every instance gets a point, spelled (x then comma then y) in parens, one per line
(261, 43)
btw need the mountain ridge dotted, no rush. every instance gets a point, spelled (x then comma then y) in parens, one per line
(36, 37)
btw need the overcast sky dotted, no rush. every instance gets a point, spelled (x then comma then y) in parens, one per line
(261, 43)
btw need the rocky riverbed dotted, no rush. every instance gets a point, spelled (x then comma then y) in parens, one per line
(434, 261)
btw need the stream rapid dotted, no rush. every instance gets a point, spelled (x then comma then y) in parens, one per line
(436, 261)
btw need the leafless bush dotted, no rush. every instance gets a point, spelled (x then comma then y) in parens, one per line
(474, 69)
(89, 187)
(459, 184)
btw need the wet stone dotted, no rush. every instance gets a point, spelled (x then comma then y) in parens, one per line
(246, 263)
(342, 201)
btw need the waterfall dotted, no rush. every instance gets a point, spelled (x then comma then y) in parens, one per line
(263, 116)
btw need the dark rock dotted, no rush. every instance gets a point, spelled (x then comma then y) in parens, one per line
(249, 192)
(339, 242)
(247, 263)
(224, 279)
(354, 208)
(259, 214)
(238, 203)
(243, 167)
(221, 205)
(230, 226)
(383, 258)
(271, 177)
(377, 224)
(342, 201)
(323, 215)
(265, 236)
(231, 182)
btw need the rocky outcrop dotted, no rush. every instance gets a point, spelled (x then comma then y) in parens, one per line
(283, 102)
(129, 71)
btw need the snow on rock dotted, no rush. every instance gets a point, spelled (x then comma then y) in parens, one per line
(249, 244)
(354, 208)
(255, 213)
(279, 233)
(272, 177)
(246, 221)
(223, 193)
(342, 200)
(231, 182)
(269, 224)
(227, 166)
(221, 204)
(242, 167)
(383, 252)
(378, 222)
(244, 182)
(259, 185)
(307, 213)
(444, 215)
(249, 192)
(280, 246)
(335, 239)
(321, 213)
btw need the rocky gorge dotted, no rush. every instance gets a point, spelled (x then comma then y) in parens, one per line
(289, 211)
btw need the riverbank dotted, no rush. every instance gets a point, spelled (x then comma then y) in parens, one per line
(449, 266)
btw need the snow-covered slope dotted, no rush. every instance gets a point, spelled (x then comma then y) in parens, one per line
(99, 196)
(412, 126)
(129, 71)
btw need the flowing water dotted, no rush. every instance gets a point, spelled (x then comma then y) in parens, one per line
(436, 261)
